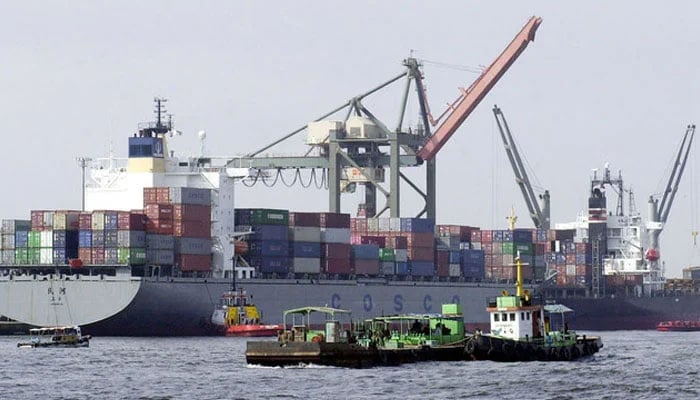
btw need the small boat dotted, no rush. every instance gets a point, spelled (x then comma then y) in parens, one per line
(678, 326)
(524, 330)
(385, 340)
(239, 317)
(57, 336)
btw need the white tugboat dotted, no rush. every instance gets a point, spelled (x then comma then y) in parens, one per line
(523, 330)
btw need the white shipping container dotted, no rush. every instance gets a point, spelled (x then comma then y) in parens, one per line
(387, 267)
(384, 224)
(305, 234)
(335, 235)
(48, 218)
(46, 255)
(454, 270)
(474, 246)
(66, 220)
(98, 220)
(304, 265)
(46, 239)
(372, 225)
(401, 255)
(7, 242)
(570, 270)
(395, 224)
(7, 256)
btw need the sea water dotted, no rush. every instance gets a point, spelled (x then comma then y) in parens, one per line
(632, 365)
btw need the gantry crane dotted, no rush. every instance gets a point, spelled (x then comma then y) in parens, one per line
(540, 215)
(359, 147)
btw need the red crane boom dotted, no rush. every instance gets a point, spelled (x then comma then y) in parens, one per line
(471, 97)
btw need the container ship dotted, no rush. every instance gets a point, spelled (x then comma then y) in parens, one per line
(153, 252)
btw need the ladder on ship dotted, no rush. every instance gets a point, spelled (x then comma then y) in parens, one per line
(597, 285)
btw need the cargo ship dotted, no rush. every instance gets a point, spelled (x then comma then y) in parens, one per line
(151, 255)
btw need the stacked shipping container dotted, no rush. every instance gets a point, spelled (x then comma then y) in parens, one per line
(269, 243)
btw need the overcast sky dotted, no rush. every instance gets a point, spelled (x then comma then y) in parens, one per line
(602, 82)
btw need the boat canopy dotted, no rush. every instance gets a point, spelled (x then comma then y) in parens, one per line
(309, 310)
(557, 308)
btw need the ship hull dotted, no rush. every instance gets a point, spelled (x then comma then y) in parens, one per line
(130, 306)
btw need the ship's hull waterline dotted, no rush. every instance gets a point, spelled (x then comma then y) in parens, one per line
(130, 306)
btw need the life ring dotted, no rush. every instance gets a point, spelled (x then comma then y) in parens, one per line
(470, 347)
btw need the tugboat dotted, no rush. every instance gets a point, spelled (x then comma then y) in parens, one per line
(237, 316)
(57, 336)
(521, 330)
(678, 326)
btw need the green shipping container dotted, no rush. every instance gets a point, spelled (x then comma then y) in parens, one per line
(523, 248)
(131, 255)
(386, 255)
(21, 257)
(508, 248)
(269, 217)
(33, 255)
(34, 239)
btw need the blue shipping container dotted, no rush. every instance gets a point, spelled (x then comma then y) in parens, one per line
(21, 239)
(473, 271)
(85, 238)
(111, 220)
(422, 268)
(418, 225)
(270, 232)
(269, 248)
(306, 249)
(522, 236)
(455, 257)
(498, 236)
(278, 265)
(472, 256)
(365, 251)
(507, 236)
(402, 268)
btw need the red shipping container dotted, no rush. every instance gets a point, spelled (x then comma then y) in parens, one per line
(355, 238)
(367, 267)
(193, 262)
(98, 255)
(85, 255)
(131, 220)
(336, 250)
(191, 212)
(159, 211)
(421, 253)
(442, 257)
(476, 236)
(85, 221)
(378, 240)
(163, 195)
(160, 227)
(397, 242)
(486, 236)
(358, 225)
(336, 265)
(150, 196)
(334, 220)
(304, 219)
(420, 239)
(443, 270)
(196, 229)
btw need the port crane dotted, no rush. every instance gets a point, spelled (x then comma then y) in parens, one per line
(539, 214)
(658, 212)
(358, 148)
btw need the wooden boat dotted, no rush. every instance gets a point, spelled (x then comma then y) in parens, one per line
(678, 326)
(239, 317)
(386, 340)
(524, 330)
(57, 336)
